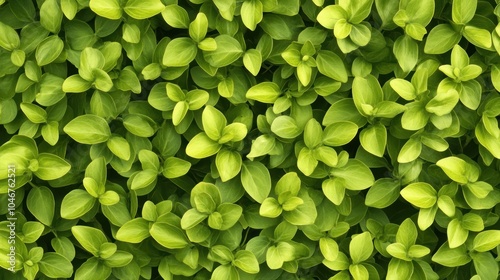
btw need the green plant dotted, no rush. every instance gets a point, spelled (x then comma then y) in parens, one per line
(249, 139)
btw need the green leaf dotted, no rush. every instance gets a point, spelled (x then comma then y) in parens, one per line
(312, 132)
(472, 222)
(410, 151)
(51, 167)
(97, 171)
(266, 92)
(63, 246)
(50, 90)
(41, 204)
(366, 91)
(458, 170)
(463, 11)
(90, 238)
(140, 125)
(359, 271)
(93, 268)
(69, 8)
(75, 83)
(176, 16)
(399, 269)
(127, 80)
(331, 65)
(486, 265)
(109, 198)
(374, 139)
(48, 50)
(34, 113)
(90, 60)
(387, 10)
(143, 179)
(8, 111)
(252, 60)
(32, 231)
(55, 265)
(306, 161)
(256, 180)
(233, 133)
(228, 164)
(180, 111)
(404, 88)
(168, 236)
(184, 49)
(76, 204)
(285, 127)
(329, 16)
(406, 51)
(228, 51)
(251, 13)
(277, 255)
(418, 251)
(383, 193)
(143, 9)
(456, 233)
(399, 251)
(415, 117)
(356, 174)
(303, 214)
(280, 27)
(9, 39)
(441, 39)
(158, 98)
(486, 240)
(88, 129)
(446, 204)
(388, 109)
(119, 146)
(201, 146)
(246, 261)
(198, 27)
(407, 233)
(360, 34)
(18, 57)
(451, 257)
(197, 98)
(119, 259)
(420, 194)
(479, 189)
(443, 103)
(361, 247)
(51, 16)
(343, 110)
(214, 122)
(230, 213)
(192, 218)
(339, 133)
(133, 231)
(329, 248)
(107, 9)
(225, 272)
(175, 167)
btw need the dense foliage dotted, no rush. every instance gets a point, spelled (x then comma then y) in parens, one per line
(249, 139)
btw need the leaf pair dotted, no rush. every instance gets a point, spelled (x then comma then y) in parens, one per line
(78, 202)
(293, 203)
(105, 254)
(94, 67)
(137, 9)
(22, 152)
(218, 134)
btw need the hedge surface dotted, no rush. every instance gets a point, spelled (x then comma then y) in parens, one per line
(249, 139)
